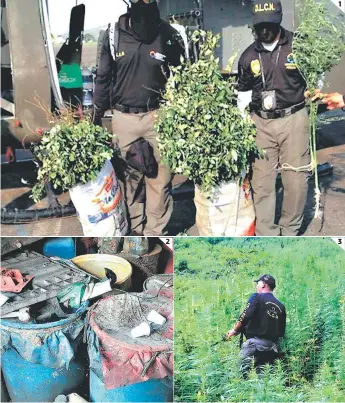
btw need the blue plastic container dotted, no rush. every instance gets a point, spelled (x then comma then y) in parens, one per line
(153, 390)
(28, 382)
(61, 247)
(4, 396)
(32, 382)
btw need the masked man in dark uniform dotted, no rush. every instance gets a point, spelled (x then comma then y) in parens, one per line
(268, 73)
(134, 68)
(263, 322)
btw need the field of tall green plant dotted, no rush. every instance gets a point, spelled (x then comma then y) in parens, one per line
(213, 280)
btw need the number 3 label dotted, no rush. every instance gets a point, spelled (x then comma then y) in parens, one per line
(340, 241)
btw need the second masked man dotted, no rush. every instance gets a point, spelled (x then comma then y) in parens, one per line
(133, 67)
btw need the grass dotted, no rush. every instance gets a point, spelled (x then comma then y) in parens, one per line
(214, 278)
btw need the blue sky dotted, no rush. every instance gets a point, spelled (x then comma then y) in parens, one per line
(98, 13)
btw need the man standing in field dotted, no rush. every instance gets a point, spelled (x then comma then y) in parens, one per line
(263, 322)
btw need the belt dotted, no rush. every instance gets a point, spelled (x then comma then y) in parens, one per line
(129, 109)
(263, 344)
(280, 113)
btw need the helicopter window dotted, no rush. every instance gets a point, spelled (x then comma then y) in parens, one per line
(97, 17)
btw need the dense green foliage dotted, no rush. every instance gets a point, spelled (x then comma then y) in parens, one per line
(201, 131)
(71, 153)
(319, 41)
(318, 45)
(213, 280)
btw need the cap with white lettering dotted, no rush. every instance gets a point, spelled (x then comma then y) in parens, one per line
(267, 11)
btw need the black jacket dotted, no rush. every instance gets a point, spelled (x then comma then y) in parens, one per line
(263, 317)
(287, 80)
(140, 72)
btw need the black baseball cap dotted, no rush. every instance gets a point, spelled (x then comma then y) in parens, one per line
(268, 279)
(267, 11)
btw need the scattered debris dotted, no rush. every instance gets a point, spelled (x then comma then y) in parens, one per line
(155, 317)
(71, 398)
(12, 280)
(3, 299)
(128, 347)
(143, 329)
(50, 278)
(23, 315)
(95, 265)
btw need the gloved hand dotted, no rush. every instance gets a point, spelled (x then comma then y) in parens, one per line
(316, 95)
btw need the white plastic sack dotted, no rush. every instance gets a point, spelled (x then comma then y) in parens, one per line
(100, 205)
(228, 212)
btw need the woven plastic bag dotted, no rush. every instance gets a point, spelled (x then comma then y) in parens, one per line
(100, 205)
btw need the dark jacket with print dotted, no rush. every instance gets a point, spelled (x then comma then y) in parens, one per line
(285, 79)
(140, 72)
(264, 317)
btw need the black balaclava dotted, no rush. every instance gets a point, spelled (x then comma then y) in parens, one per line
(267, 32)
(145, 20)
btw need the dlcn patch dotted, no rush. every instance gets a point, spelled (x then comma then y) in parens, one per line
(264, 7)
(120, 54)
(273, 313)
(157, 56)
(290, 62)
(255, 67)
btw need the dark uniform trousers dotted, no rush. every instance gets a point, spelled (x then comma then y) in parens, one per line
(256, 352)
(158, 206)
(284, 140)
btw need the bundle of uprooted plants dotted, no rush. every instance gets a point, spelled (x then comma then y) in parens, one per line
(71, 153)
(318, 45)
(201, 131)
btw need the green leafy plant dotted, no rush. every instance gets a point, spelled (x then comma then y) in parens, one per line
(318, 45)
(209, 297)
(319, 41)
(72, 152)
(201, 131)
